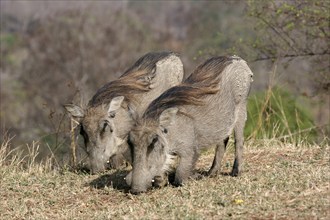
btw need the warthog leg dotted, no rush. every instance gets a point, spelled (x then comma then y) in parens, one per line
(184, 169)
(220, 150)
(239, 139)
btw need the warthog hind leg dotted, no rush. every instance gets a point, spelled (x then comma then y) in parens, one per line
(219, 152)
(239, 139)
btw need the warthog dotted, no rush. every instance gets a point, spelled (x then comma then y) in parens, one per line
(106, 121)
(200, 112)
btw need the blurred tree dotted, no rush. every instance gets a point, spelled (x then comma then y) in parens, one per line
(294, 29)
(216, 28)
(297, 32)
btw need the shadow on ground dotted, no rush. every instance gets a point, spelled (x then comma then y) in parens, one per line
(200, 174)
(115, 180)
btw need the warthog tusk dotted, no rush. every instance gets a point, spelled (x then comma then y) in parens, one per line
(152, 181)
(108, 161)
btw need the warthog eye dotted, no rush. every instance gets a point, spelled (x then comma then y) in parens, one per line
(131, 146)
(84, 134)
(152, 144)
(112, 114)
(106, 126)
(154, 140)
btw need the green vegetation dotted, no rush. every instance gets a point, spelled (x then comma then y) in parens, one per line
(277, 114)
(8, 40)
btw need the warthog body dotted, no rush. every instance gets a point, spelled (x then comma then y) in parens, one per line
(106, 121)
(202, 111)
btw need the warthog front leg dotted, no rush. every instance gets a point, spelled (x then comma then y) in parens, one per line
(184, 169)
(220, 151)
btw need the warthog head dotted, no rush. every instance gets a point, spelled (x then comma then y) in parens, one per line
(149, 143)
(99, 127)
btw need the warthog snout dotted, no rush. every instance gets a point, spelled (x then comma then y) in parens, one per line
(140, 187)
(128, 179)
(137, 191)
(157, 181)
(98, 167)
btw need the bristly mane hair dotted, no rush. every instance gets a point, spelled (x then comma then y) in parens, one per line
(137, 79)
(203, 81)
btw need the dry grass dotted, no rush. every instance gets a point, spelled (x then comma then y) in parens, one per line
(280, 181)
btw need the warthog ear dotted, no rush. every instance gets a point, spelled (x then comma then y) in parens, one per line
(115, 105)
(151, 77)
(148, 78)
(152, 74)
(132, 111)
(167, 117)
(74, 110)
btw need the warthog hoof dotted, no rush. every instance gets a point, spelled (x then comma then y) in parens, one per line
(235, 172)
(178, 184)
